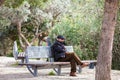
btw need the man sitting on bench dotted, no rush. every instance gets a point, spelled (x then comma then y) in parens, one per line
(60, 54)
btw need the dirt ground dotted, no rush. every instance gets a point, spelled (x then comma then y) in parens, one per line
(10, 71)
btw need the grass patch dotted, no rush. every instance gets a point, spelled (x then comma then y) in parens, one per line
(51, 73)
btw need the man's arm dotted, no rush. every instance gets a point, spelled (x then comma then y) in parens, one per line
(59, 49)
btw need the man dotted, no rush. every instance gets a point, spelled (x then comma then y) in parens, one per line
(60, 54)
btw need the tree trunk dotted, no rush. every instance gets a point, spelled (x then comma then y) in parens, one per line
(21, 36)
(103, 68)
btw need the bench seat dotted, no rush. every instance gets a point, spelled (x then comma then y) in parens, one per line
(40, 64)
(46, 65)
(34, 66)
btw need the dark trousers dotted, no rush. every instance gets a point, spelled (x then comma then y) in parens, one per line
(73, 59)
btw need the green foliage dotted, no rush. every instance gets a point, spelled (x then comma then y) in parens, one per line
(17, 3)
(37, 3)
(3, 22)
(13, 3)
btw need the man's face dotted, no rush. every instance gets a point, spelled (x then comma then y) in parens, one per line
(61, 40)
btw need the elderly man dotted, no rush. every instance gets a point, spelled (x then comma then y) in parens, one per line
(60, 54)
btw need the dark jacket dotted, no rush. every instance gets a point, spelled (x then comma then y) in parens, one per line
(58, 50)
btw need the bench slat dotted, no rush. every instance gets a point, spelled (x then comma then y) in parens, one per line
(45, 63)
(39, 64)
(21, 54)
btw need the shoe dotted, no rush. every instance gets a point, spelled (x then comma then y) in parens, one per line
(84, 65)
(73, 74)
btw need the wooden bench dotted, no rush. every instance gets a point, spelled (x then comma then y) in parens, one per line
(33, 53)
(43, 52)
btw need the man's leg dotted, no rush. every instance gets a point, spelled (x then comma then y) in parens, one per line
(77, 59)
(68, 58)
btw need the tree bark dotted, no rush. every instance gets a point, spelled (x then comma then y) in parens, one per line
(103, 68)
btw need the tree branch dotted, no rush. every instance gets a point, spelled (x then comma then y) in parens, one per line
(35, 37)
(21, 43)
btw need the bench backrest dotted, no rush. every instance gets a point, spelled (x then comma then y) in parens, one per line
(38, 51)
(42, 51)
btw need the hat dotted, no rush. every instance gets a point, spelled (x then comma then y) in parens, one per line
(60, 37)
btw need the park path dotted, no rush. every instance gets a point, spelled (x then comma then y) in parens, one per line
(10, 71)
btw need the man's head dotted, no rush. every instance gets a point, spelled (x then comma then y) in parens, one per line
(60, 38)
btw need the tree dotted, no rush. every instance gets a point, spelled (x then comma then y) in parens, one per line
(41, 18)
(50, 13)
(103, 68)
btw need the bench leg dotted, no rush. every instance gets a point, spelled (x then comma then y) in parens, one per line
(22, 60)
(79, 69)
(58, 70)
(33, 70)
